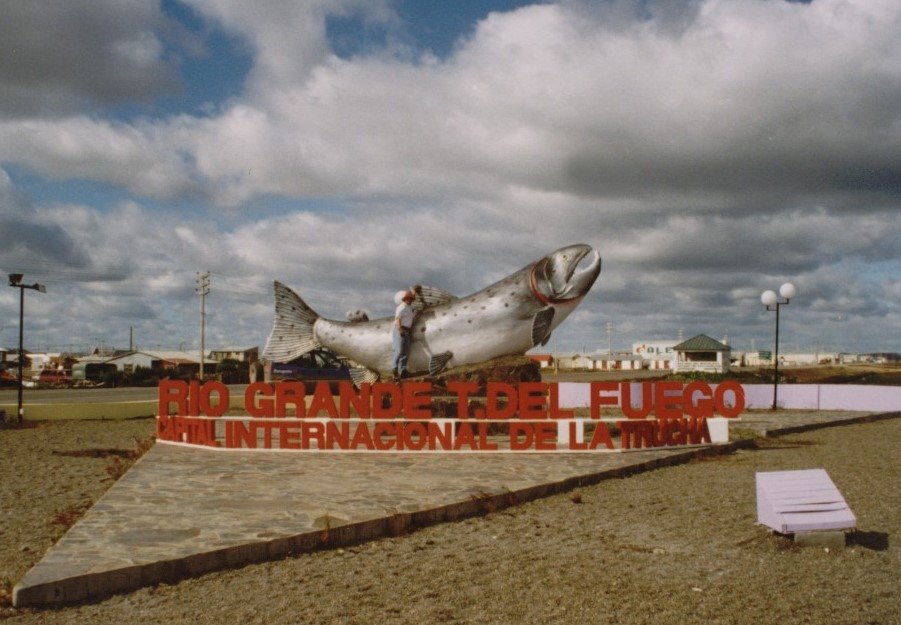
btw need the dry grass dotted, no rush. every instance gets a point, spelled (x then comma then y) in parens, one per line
(6, 593)
(66, 518)
(53, 471)
(886, 375)
(119, 464)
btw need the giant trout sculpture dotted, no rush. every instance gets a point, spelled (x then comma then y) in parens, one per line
(509, 317)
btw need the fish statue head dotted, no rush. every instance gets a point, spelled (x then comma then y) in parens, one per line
(566, 274)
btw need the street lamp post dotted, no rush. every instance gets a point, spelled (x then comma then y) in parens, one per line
(15, 280)
(772, 303)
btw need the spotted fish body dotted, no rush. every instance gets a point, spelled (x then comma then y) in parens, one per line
(509, 317)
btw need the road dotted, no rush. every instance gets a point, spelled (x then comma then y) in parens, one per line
(90, 395)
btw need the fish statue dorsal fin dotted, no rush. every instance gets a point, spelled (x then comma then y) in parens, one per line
(357, 316)
(429, 296)
(541, 325)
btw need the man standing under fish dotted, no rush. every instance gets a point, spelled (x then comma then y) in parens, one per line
(402, 333)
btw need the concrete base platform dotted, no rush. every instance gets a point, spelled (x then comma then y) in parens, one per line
(181, 512)
(832, 539)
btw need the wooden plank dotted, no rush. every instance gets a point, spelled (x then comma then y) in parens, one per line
(801, 501)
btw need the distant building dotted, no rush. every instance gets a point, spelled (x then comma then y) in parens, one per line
(160, 361)
(885, 357)
(9, 356)
(759, 358)
(42, 361)
(544, 360)
(241, 354)
(656, 355)
(107, 352)
(600, 362)
(765, 359)
(574, 361)
(702, 353)
(619, 362)
(810, 358)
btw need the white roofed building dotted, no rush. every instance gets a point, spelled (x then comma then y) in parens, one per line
(184, 362)
(241, 354)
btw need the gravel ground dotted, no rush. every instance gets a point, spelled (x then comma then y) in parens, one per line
(676, 545)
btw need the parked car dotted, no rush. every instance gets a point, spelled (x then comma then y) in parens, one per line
(312, 367)
(55, 377)
(8, 379)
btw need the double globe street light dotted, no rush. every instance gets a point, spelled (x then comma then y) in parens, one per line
(772, 303)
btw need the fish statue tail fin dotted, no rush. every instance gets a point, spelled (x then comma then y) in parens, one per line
(292, 331)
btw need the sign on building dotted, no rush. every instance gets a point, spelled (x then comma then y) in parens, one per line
(654, 350)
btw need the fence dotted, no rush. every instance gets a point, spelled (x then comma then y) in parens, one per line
(791, 396)
(825, 397)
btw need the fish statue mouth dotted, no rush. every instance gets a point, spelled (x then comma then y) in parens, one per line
(562, 276)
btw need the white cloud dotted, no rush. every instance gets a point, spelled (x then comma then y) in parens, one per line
(288, 37)
(57, 57)
(742, 97)
(139, 158)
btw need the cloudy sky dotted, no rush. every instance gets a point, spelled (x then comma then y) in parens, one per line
(708, 149)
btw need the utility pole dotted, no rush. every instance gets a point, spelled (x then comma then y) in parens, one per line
(609, 337)
(203, 289)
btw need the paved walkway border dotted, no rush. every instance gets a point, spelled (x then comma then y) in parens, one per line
(806, 427)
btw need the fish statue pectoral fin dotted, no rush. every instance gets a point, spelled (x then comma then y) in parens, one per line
(438, 362)
(359, 375)
(541, 325)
